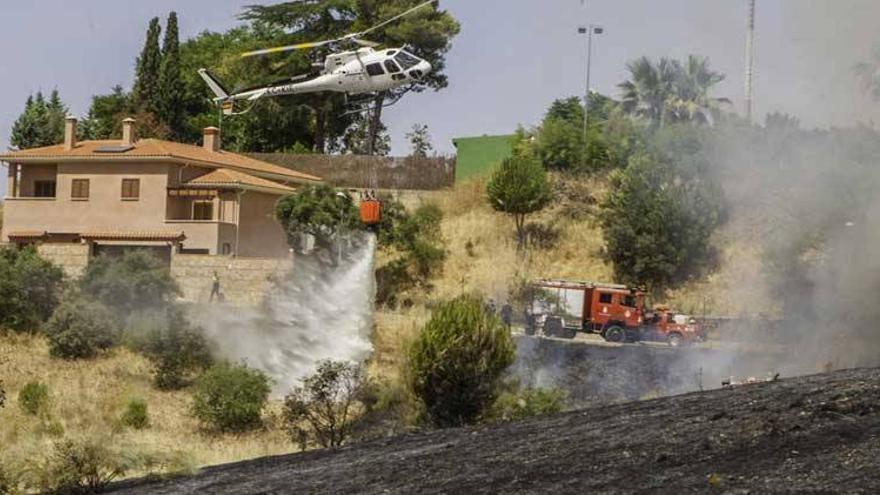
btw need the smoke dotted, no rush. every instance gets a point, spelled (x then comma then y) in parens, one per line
(318, 311)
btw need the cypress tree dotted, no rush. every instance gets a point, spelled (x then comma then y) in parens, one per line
(146, 90)
(170, 97)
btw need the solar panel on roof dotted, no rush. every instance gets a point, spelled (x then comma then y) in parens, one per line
(114, 148)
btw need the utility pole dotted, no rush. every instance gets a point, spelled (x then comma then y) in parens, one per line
(750, 57)
(589, 31)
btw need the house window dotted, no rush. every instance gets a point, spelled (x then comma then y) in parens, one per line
(203, 210)
(79, 189)
(375, 69)
(131, 189)
(44, 188)
(604, 298)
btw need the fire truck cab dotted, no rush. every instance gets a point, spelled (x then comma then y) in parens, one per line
(561, 308)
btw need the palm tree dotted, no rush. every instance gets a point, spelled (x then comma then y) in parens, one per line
(670, 91)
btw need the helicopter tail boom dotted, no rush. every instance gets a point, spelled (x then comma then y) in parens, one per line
(217, 88)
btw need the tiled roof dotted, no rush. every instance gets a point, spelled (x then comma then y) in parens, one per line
(148, 149)
(27, 234)
(135, 235)
(232, 178)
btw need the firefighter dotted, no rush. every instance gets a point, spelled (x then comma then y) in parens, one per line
(215, 288)
(506, 314)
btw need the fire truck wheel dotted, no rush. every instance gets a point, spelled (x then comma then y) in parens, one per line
(614, 334)
(674, 339)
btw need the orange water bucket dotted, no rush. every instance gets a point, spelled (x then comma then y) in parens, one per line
(371, 211)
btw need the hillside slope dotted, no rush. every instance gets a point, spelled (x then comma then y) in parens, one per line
(812, 433)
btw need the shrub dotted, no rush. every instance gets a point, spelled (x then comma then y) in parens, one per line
(230, 397)
(133, 281)
(82, 466)
(516, 404)
(319, 211)
(136, 415)
(29, 289)
(176, 349)
(34, 398)
(455, 363)
(419, 247)
(326, 406)
(80, 329)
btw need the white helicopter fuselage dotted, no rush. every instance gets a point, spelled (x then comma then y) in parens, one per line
(356, 72)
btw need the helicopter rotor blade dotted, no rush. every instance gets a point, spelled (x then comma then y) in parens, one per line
(398, 16)
(354, 37)
(280, 49)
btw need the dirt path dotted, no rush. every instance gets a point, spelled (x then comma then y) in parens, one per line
(818, 433)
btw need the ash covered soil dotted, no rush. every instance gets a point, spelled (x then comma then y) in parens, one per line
(815, 433)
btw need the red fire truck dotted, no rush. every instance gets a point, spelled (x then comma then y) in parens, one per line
(561, 308)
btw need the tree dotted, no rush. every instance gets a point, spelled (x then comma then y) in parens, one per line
(319, 211)
(41, 123)
(455, 364)
(169, 107)
(146, 92)
(420, 140)
(671, 92)
(30, 288)
(519, 187)
(326, 406)
(107, 112)
(136, 280)
(660, 212)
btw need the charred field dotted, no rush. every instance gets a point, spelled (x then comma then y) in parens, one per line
(813, 433)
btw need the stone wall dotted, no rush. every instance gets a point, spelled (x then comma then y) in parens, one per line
(359, 171)
(71, 257)
(243, 281)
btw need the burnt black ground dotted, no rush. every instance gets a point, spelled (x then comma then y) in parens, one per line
(815, 433)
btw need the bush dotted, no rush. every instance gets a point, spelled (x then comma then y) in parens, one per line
(82, 466)
(29, 289)
(136, 415)
(230, 397)
(420, 253)
(34, 398)
(133, 281)
(80, 329)
(173, 346)
(516, 405)
(318, 211)
(455, 363)
(326, 406)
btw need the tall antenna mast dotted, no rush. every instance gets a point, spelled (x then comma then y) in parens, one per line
(750, 58)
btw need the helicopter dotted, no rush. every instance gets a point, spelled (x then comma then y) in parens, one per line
(361, 71)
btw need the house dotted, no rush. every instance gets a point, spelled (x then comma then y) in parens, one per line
(168, 197)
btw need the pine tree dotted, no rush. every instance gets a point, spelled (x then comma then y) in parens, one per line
(41, 123)
(170, 97)
(146, 91)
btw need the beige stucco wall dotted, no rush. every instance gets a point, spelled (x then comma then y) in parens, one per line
(260, 235)
(104, 209)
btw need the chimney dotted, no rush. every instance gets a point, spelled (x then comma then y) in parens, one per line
(69, 133)
(128, 132)
(212, 139)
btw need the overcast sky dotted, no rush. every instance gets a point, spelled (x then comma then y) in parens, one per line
(512, 58)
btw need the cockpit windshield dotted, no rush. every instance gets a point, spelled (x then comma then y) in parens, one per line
(406, 60)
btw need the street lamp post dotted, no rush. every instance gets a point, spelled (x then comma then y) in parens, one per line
(589, 31)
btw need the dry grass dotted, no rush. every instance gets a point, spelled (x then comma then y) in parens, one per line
(88, 398)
